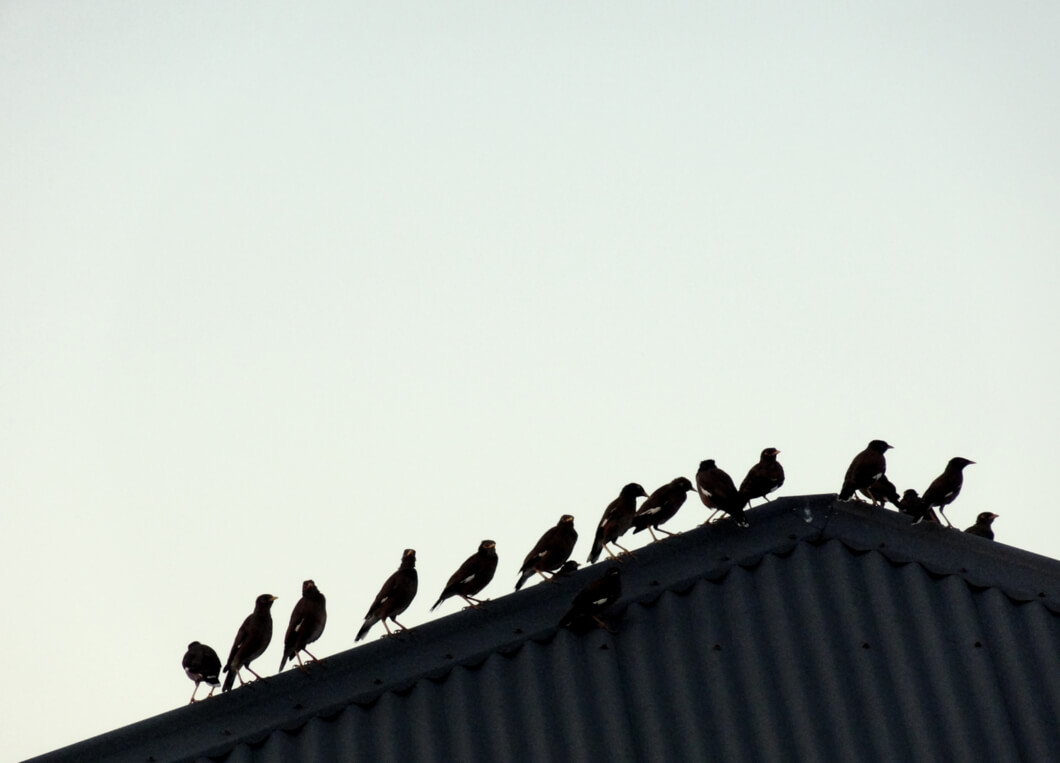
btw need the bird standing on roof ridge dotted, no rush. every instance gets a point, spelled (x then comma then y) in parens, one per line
(947, 486)
(764, 477)
(308, 619)
(912, 504)
(717, 491)
(394, 597)
(551, 551)
(882, 490)
(868, 466)
(201, 663)
(593, 600)
(617, 519)
(252, 639)
(982, 526)
(472, 576)
(661, 506)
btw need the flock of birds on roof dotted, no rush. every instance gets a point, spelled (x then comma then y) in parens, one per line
(550, 556)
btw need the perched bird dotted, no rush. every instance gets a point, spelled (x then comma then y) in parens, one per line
(982, 526)
(880, 491)
(947, 486)
(764, 477)
(472, 576)
(394, 597)
(201, 663)
(592, 600)
(617, 519)
(868, 465)
(252, 639)
(308, 618)
(912, 504)
(718, 492)
(552, 550)
(661, 506)
(567, 568)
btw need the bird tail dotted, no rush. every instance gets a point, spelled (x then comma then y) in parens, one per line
(229, 679)
(283, 660)
(368, 623)
(594, 554)
(440, 600)
(523, 578)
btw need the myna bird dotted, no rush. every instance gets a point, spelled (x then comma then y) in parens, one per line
(472, 576)
(252, 640)
(308, 618)
(947, 486)
(764, 477)
(912, 504)
(868, 465)
(880, 491)
(718, 492)
(661, 506)
(201, 663)
(981, 527)
(394, 597)
(617, 519)
(592, 600)
(553, 549)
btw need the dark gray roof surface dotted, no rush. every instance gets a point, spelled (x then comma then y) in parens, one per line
(825, 631)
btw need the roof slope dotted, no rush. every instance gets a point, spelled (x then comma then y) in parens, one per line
(826, 630)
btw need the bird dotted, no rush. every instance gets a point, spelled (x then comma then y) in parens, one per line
(661, 506)
(552, 550)
(252, 639)
(912, 504)
(472, 576)
(201, 663)
(308, 618)
(880, 491)
(947, 486)
(567, 568)
(592, 600)
(982, 526)
(617, 519)
(867, 466)
(718, 491)
(764, 477)
(394, 597)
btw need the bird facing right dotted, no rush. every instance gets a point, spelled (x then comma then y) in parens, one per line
(617, 519)
(982, 526)
(764, 477)
(394, 597)
(551, 551)
(308, 619)
(252, 639)
(201, 663)
(472, 576)
(947, 486)
(661, 506)
(868, 465)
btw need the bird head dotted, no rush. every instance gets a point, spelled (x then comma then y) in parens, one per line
(566, 519)
(634, 490)
(684, 483)
(987, 517)
(486, 545)
(770, 454)
(307, 585)
(959, 463)
(879, 446)
(708, 464)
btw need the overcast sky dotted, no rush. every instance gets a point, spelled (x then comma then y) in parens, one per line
(286, 289)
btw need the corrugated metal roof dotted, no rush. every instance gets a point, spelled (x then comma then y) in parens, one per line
(825, 631)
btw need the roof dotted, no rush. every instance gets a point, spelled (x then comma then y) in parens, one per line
(826, 630)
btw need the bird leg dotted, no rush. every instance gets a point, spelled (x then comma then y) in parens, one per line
(600, 623)
(193, 693)
(472, 602)
(544, 577)
(624, 551)
(665, 532)
(943, 513)
(653, 536)
(252, 672)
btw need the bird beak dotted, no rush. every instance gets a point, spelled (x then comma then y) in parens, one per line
(995, 516)
(273, 598)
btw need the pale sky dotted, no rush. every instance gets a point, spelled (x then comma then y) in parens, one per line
(286, 289)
